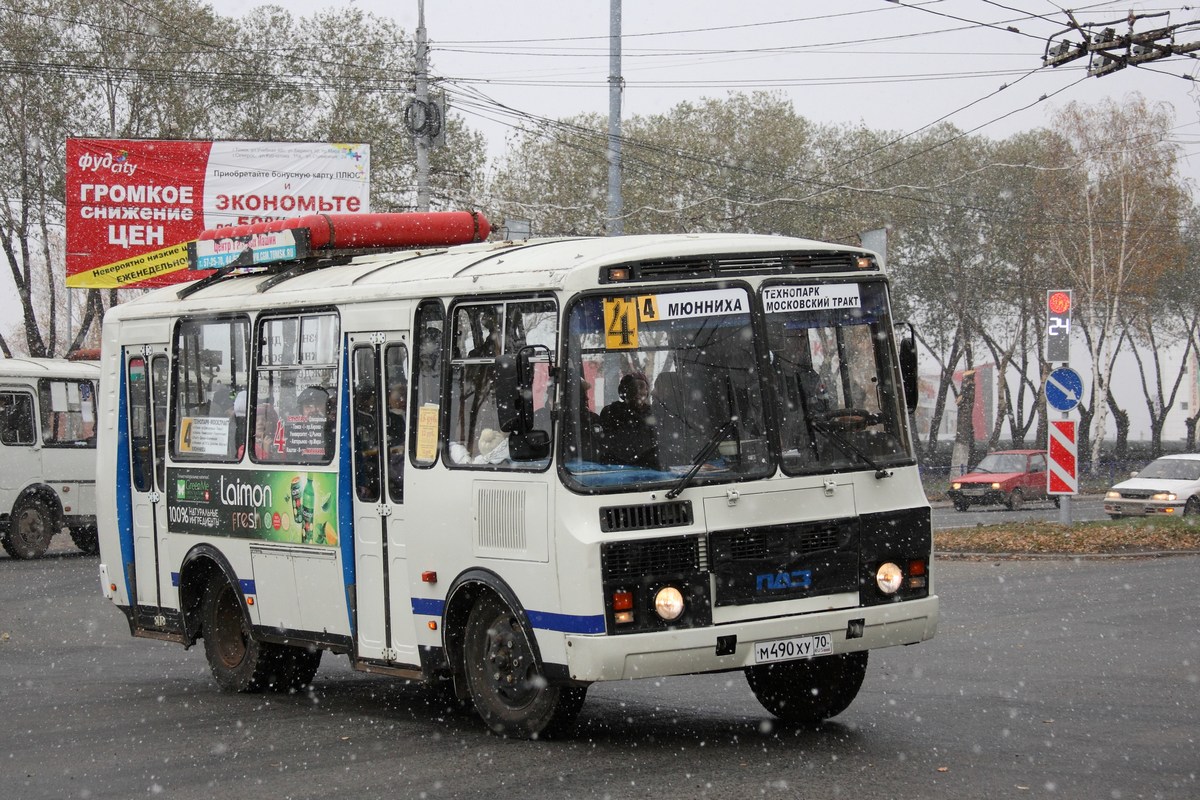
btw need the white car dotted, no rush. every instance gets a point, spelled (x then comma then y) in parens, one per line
(1168, 485)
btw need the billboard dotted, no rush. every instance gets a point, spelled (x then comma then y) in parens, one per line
(134, 204)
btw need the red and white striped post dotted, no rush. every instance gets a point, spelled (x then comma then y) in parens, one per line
(1062, 477)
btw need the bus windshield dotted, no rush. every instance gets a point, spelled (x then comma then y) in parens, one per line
(657, 384)
(834, 376)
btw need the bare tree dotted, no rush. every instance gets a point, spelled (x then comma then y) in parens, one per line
(1126, 203)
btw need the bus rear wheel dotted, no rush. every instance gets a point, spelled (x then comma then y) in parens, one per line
(86, 538)
(810, 690)
(30, 529)
(505, 681)
(240, 662)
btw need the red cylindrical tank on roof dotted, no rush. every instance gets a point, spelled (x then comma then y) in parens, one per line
(347, 231)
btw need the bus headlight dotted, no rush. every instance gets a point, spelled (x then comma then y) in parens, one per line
(668, 602)
(888, 578)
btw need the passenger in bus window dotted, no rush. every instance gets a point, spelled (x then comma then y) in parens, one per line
(314, 404)
(628, 435)
(266, 422)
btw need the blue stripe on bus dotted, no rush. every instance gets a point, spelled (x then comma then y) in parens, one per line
(428, 607)
(345, 498)
(566, 623)
(124, 496)
(544, 620)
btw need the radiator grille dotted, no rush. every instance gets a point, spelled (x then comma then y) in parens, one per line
(767, 542)
(677, 554)
(646, 517)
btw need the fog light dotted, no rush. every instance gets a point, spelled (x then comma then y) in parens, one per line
(668, 602)
(888, 578)
(623, 617)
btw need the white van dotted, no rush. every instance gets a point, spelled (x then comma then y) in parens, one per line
(48, 453)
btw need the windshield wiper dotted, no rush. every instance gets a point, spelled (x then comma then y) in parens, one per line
(850, 448)
(701, 457)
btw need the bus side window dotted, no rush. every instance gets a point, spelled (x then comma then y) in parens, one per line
(484, 331)
(424, 429)
(210, 371)
(16, 419)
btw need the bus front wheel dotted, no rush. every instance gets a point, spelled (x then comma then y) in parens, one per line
(505, 681)
(241, 663)
(810, 690)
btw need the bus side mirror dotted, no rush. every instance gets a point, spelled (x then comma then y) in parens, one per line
(908, 368)
(514, 405)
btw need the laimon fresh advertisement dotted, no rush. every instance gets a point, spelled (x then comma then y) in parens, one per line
(291, 506)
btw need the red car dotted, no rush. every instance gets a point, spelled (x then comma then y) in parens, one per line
(1006, 476)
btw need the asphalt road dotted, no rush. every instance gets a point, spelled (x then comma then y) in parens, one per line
(1047, 679)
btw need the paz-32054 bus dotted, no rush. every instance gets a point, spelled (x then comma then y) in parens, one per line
(512, 469)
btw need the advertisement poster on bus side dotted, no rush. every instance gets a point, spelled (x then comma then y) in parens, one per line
(284, 505)
(134, 204)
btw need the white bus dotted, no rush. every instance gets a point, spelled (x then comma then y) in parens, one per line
(48, 448)
(512, 469)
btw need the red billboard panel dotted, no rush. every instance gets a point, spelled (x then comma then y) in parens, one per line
(133, 204)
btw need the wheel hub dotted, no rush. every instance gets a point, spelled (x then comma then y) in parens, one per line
(231, 637)
(509, 663)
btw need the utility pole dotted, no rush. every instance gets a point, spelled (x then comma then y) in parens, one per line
(1110, 51)
(419, 127)
(616, 225)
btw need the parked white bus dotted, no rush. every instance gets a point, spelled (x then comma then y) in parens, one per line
(512, 469)
(48, 449)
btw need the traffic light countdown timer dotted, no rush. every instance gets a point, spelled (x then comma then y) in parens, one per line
(1058, 325)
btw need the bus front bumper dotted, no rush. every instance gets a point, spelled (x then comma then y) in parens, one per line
(694, 650)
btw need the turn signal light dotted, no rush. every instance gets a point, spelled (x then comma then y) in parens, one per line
(622, 601)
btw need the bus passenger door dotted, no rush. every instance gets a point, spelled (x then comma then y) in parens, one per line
(378, 391)
(146, 393)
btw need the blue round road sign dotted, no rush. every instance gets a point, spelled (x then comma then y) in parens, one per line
(1064, 388)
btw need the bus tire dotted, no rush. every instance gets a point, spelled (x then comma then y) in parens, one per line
(30, 529)
(506, 683)
(296, 668)
(86, 538)
(239, 662)
(810, 690)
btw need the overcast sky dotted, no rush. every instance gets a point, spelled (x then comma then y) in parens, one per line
(896, 66)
